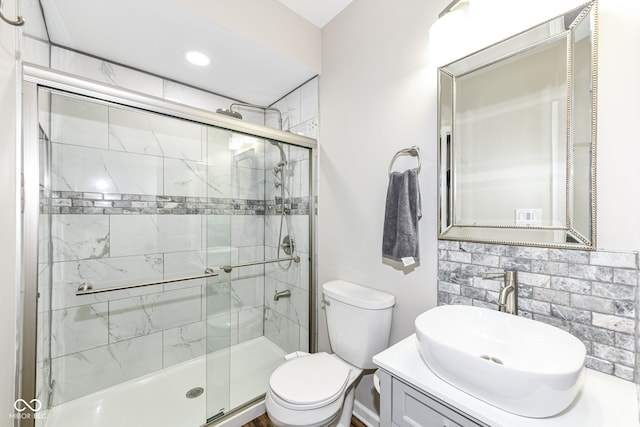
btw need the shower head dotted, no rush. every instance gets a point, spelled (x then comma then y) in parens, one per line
(229, 112)
(283, 157)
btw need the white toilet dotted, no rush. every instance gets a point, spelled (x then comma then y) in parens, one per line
(310, 390)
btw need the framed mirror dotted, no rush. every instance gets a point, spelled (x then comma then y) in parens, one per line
(517, 138)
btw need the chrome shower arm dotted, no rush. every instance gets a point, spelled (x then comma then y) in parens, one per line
(261, 107)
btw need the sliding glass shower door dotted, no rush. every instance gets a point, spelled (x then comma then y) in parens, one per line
(270, 235)
(163, 242)
(249, 329)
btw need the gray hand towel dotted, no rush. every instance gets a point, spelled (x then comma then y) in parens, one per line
(402, 212)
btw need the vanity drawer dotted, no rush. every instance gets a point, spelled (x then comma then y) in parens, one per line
(412, 408)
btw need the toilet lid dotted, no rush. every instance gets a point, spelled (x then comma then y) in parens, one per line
(310, 380)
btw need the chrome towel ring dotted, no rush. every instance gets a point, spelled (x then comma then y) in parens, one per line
(411, 151)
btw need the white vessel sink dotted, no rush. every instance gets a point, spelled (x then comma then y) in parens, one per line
(519, 365)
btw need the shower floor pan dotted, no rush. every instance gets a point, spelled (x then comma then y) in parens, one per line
(160, 399)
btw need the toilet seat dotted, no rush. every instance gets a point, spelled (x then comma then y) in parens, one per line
(309, 382)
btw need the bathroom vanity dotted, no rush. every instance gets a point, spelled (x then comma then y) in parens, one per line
(411, 395)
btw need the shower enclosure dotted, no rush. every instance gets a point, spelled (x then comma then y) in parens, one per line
(167, 256)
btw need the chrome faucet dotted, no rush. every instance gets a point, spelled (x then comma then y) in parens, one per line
(282, 294)
(508, 296)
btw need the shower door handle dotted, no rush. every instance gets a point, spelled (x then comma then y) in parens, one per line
(228, 268)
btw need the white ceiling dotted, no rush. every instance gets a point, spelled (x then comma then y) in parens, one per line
(318, 12)
(153, 36)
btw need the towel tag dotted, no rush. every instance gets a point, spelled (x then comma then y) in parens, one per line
(407, 261)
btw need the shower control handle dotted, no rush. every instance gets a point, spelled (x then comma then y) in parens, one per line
(288, 245)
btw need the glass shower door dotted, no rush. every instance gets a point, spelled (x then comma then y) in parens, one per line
(288, 220)
(136, 209)
(269, 252)
(235, 330)
(125, 202)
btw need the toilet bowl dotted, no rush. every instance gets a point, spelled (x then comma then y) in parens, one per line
(318, 390)
(310, 390)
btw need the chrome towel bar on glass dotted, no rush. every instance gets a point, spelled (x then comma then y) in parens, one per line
(87, 288)
(411, 151)
(228, 268)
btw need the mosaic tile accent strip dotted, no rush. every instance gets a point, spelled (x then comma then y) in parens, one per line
(68, 202)
(591, 295)
(292, 206)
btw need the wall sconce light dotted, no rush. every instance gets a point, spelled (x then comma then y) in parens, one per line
(455, 4)
(448, 34)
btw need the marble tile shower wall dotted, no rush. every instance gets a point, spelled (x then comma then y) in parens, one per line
(287, 320)
(135, 198)
(299, 110)
(592, 295)
(284, 321)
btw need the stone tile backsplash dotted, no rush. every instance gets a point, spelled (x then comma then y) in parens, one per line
(591, 295)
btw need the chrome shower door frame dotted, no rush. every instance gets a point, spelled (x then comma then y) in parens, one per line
(35, 77)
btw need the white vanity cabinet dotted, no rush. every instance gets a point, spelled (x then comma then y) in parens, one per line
(412, 395)
(402, 405)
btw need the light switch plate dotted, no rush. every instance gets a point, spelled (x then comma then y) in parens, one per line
(528, 217)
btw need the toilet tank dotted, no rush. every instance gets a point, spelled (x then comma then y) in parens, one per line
(359, 321)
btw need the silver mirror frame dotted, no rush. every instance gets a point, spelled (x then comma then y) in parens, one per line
(447, 228)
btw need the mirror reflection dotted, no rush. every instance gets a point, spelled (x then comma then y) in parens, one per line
(517, 137)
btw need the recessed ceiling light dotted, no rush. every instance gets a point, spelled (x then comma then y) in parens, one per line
(197, 58)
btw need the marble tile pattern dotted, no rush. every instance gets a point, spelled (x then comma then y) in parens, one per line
(35, 50)
(299, 110)
(104, 71)
(287, 320)
(185, 183)
(88, 371)
(35, 26)
(136, 199)
(592, 295)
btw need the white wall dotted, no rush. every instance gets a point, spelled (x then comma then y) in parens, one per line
(618, 126)
(378, 94)
(8, 274)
